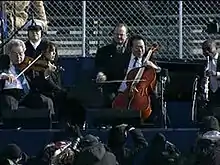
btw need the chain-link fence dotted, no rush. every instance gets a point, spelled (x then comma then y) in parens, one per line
(157, 21)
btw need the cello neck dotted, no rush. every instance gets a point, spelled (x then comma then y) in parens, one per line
(141, 70)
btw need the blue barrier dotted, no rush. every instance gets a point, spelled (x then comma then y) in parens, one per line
(32, 141)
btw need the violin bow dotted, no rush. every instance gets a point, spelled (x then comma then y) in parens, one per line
(118, 81)
(28, 66)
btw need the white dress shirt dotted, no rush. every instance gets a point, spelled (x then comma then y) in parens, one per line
(36, 44)
(131, 66)
(214, 82)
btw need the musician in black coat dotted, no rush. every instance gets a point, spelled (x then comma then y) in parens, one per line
(110, 61)
(212, 72)
(117, 66)
(17, 91)
(67, 108)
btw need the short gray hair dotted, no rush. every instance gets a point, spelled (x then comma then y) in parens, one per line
(14, 43)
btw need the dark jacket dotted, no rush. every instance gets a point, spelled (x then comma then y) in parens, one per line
(4, 66)
(49, 86)
(95, 153)
(116, 143)
(112, 64)
(30, 51)
(161, 152)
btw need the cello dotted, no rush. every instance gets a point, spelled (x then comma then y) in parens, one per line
(140, 83)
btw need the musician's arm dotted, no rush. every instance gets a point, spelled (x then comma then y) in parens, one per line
(100, 60)
(150, 63)
(54, 84)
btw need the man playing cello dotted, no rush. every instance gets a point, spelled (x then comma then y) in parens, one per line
(128, 62)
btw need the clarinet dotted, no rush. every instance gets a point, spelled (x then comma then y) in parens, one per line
(206, 85)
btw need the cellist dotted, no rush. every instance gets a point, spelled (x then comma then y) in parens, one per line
(131, 60)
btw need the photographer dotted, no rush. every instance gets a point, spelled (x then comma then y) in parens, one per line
(63, 149)
(162, 152)
(12, 155)
(93, 152)
(117, 141)
(207, 148)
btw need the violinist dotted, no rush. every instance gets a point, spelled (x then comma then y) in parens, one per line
(66, 108)
(16, 90)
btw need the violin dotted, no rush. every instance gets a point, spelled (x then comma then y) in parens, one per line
(39, 65)
(36, 65)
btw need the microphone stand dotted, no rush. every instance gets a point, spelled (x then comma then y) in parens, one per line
(195, 89)
(163, 102)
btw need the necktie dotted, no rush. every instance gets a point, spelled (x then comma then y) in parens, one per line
(23, 81)
(135, 62)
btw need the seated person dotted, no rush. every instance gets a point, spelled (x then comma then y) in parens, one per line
(67, 108)
(122, 66)
(16, 90)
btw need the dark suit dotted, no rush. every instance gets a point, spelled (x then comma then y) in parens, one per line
(30, 51)
(114, 65)
(212, 107)
(12, 98)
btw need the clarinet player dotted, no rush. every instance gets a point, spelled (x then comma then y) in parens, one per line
(211, 79)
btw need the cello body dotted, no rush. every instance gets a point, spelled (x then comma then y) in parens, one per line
(137, 98)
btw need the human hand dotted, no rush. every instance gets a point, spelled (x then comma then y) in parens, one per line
(150, 63)
(51, 67)
(101, 77)
(47, 73)
(211, 73)
(8, 77)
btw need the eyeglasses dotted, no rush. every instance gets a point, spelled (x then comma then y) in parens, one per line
(17, 53)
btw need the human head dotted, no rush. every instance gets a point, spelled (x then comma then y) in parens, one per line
(117, 137)
(49, 51)
(15, 49)
(209, 123)
(120, 33)
(209, 47)
(13, 152)
(35, 30)
(138, 45)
